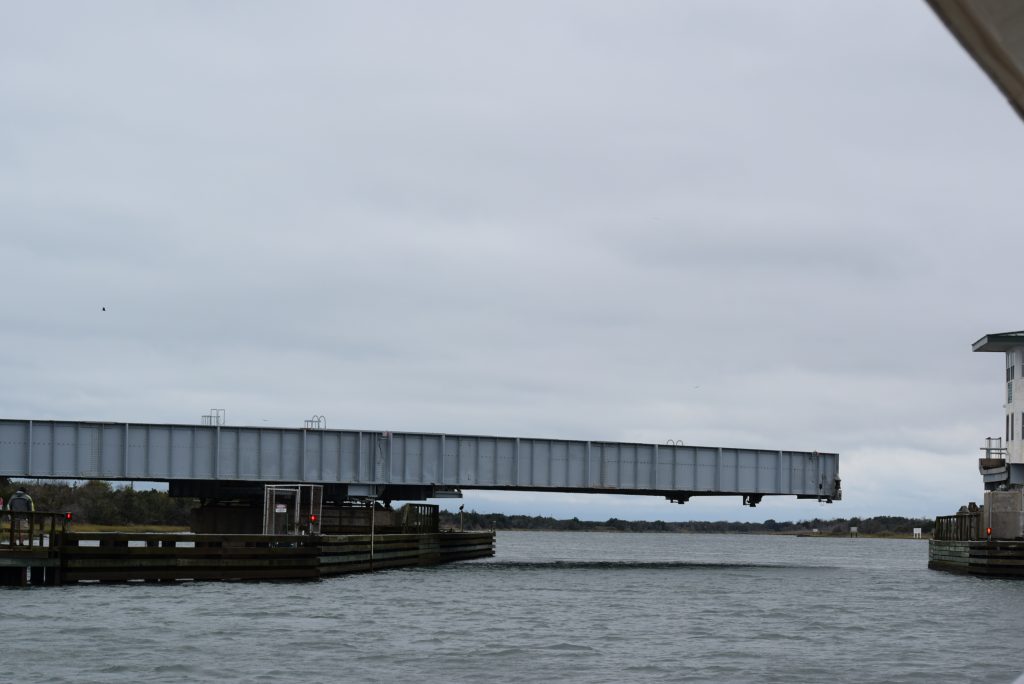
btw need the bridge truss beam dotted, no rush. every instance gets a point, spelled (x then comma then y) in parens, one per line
(409, 465)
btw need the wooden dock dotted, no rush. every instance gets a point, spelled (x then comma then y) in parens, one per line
(960, 544)
(125, 557)
(996, 558)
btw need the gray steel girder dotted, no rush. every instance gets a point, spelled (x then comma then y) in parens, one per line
(130, 451)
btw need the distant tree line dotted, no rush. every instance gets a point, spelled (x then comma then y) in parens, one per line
(879, 525)
(97, 502)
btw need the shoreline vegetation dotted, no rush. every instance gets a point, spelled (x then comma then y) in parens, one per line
(885, 526)
(97, 506)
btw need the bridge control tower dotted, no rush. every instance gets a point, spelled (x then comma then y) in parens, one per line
(1002, 465)
(1011, 344)
(990, 540)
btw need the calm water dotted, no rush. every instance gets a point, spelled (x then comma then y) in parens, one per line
(581, 607)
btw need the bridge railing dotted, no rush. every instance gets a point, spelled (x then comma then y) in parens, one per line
(959, 527)
(27, 528)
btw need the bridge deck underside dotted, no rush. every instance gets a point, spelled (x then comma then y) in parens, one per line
(122, 451)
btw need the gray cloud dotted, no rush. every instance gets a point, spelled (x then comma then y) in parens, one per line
(729, 223)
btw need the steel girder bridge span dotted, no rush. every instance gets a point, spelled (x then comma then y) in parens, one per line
(219, 462)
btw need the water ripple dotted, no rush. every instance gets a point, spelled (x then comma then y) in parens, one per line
(561, 607)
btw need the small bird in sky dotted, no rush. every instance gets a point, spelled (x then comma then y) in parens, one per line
(104, 308)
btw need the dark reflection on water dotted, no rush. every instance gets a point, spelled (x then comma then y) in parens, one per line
(573, 607)
(619, 565)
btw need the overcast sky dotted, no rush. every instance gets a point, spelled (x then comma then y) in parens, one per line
(732, 223)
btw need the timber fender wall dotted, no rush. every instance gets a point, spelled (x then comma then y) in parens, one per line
(996, 558)
(122, 557)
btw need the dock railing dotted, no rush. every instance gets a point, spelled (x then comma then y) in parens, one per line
(959, 527)
(420, 518)
(26, 529)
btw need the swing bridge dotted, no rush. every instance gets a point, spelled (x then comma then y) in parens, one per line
(217, 462)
